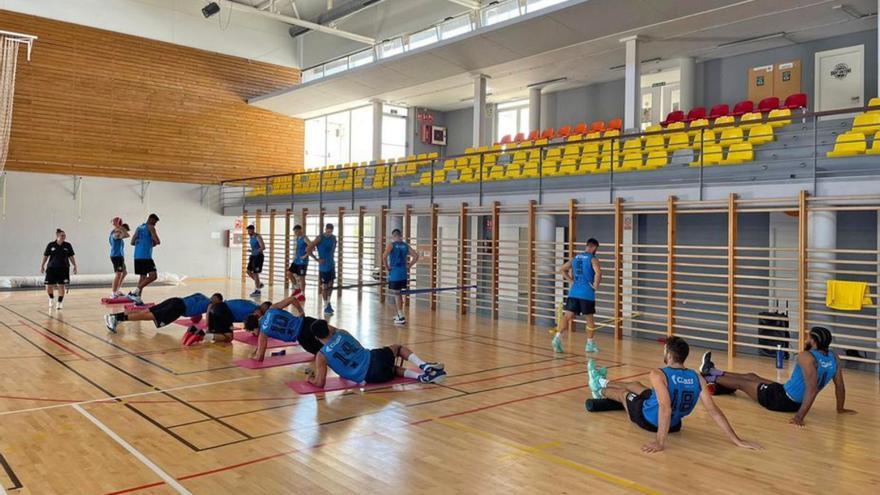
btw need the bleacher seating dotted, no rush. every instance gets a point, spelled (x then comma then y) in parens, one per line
(742, 108)
(767, 104)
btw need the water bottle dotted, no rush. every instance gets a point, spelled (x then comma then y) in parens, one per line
(779, 356)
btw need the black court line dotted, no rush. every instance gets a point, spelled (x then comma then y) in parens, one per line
(16, 483)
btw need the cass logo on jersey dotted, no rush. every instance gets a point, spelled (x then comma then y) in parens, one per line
(680, 380)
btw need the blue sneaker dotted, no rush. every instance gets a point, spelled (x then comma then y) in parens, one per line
(328, 309)
(596, 376)
(557, 344)
(431, 367)
(436, 376)
(591, 347)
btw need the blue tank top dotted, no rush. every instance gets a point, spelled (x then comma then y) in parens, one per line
(196, 304)
(241, 308)
(583, 273)
(301, 248)
(143, 248)
(281, 325)
(397, 261)
(255, 246)
(117, 246)
(684, 390)
(347, 357)
(826, 368)
(326, 248)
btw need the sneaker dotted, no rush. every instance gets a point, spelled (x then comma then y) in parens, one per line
(59, 305)
(706, 364)
(255, 293)
(596, 375)
(187, 334)
(51, 304)
(118, 293)
(431, 367)
(399, 320)
(436, 376)
(591, 347)
(195, 338)
(111, 322)
(328, 309)
(135, 298)
(557, 344)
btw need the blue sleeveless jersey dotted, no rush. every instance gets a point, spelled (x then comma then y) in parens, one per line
(684, 390)
(301, 249)
(281, 325)
(143, 248)
(582, 270)
(196, 304)
(826, 368)
(241, 308)
(326, 248)
(347, 357)
(117, 247)
(255, 246)
(397, 261)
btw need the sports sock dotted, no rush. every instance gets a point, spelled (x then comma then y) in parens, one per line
(411, 374)
(120, 317)
(51, 296)
(415, 359)
(60, 298)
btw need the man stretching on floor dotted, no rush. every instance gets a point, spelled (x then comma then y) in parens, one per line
(145, 238)
(813, 370)
(255, 260)
(326, 245)
(585, 275)
(272, 321)
(400, 257)
(117, 255)
(343, 354)
(166, 312)
(673, 395)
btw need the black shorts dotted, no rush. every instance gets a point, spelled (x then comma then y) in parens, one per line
(307, 339)
(144, 266)
(580, 306)
(398, 285)
(327, 277)
(382, 362)
(118, 263)
(773, 397)
(634, 405)
(298, 270)
(255, 263)
(57, 275)
(168, 311)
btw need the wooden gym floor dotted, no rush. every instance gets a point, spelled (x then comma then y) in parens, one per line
(510, 418)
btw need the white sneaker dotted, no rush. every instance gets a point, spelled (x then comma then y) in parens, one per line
(51, 304)
(111, 322)
(399, 320)
(59, 305)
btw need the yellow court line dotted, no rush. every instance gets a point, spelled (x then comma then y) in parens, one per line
(536, 448)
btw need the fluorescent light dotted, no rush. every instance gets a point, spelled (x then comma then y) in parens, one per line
(753, 39)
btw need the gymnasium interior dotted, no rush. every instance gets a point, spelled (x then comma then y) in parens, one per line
(713, 161)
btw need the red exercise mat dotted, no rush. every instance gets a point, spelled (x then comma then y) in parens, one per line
(115, 300)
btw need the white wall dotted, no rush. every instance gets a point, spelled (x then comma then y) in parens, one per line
(36, 204)
(174, 21)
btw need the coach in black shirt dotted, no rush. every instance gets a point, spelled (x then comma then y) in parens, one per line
(59, 254)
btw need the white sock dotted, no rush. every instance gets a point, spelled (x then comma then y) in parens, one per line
(603, 383)
(209, 337)
(415, 359)
(411, 374)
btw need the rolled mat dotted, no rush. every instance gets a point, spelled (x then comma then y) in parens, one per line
(602, 405)
(303, 387)
(273, 361)
(135, 307)
(115, 300)
(246, 337)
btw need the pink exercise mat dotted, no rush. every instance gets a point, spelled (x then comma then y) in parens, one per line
(303, 387)
(273, 361)
(115, 300)
(250, 339)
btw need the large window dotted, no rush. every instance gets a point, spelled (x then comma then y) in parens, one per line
(393, 132)
(455, 26)
(347, 136)
(500, 12)
(513, 117)
(423, 38)
(533, 5)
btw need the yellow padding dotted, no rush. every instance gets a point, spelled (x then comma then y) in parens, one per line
(846, 295)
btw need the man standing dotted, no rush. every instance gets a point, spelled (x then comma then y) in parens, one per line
(117, 255)
(59, 254)
(145, 238)
(326, 245)
(585, 275)
(296, 273)
(255, 261)
(399, 259)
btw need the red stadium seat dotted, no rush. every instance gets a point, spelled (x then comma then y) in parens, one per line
(767, 104)
(743, 107)
(597, 126)
(549, 133)
(674, 116)
(580, 129)
(696, 113)
(506, 139)
(534, 135)
(719, 110)
(563, 131)
(520, 137)
(796, 101)
(615, 124)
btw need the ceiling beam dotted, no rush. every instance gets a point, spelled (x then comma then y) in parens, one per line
(306, 24)
(471, 4)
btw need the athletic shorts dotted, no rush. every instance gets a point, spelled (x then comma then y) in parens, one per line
(255, 263)
(118, 263)
(298, 270)
(168, 311)
(307, 339)
(327, 277)
(57, 275)
(634, 405)
(398, 285)
(773, 397)
(382, 363)
(580, 306)
(144, 266)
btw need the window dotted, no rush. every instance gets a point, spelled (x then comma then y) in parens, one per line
(455, 27)
(313, 73)
(533, 5)
(390, 48)
(423, 38)
(361, 58)
(339, 138)
(336, 66)
(513, 117)
(362, 134)
(316, 142)
(393, 132)
(500, 12)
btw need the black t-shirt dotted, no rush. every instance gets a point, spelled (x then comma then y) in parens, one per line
(58, 254)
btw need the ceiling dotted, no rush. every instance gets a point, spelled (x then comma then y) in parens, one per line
(578, 41)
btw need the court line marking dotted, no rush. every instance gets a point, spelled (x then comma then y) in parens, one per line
(118, 397)
(135, 452)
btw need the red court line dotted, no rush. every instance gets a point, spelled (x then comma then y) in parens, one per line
(51, 339)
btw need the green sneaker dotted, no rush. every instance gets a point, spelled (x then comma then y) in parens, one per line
(596, 376)
(591, 347)
(557, 344)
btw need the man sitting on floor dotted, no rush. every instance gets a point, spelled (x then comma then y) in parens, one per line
(673, 395)
(166, 312)
(813, 370)
(349, 359)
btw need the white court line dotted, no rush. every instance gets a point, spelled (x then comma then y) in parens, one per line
(139, 394)
(135, 452)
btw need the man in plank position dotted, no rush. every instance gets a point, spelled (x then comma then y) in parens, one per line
(166, 312)
(343, 354)
(814, 369)
(272, 321)
(673, 395)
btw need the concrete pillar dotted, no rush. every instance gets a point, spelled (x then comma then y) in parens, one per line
(480, 137)
(632, 100)
(545, 266)
(688, 83)
(535, 108)
(548, 110)
(377, 130)
(821, 234)
(394, 222)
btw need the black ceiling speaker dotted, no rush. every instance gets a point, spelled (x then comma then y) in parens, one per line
(210, 9)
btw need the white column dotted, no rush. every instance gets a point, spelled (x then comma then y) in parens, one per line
(548, 110)
(377, 130)
(687, 83)
(632, 85)
(480, 134)
(821, 234)
(394, 222)
(545, 263)
(535, 108)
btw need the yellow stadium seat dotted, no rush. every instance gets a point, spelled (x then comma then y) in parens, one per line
(731, 136)
(706, 137)
(549, 169)
(425, 178)
(467, 175)
(675, 126)
(593, 135)
(631, 161)
(514, 171)
(530, 171)
(568, 168)
(761, 134)
(751, 119)
(553, 157)
(739, 153)
(875, 145)
(657, 159)
(725, 121)
(571, 153)
(782, 114)
(866, 123)
(496, 173)
(632, 146)
(696, 125)
(711, 154)
(874, 104)
(848, 144)
(588, 164)
(678, 141)
(448, 164)
(656, 143)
